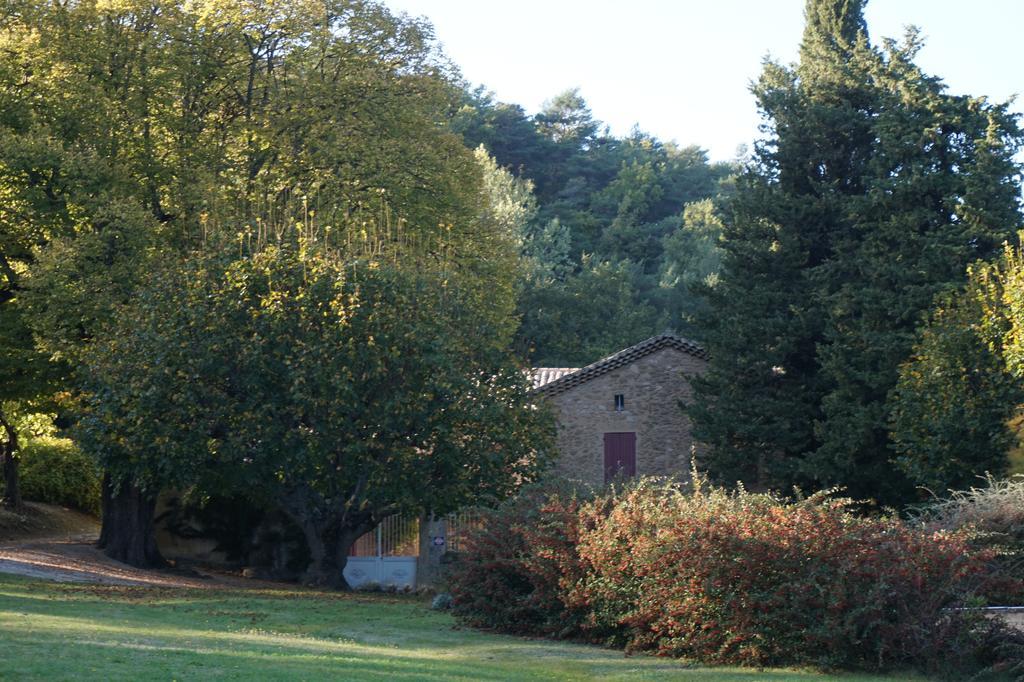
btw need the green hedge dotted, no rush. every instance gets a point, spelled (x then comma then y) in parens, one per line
(55, 471)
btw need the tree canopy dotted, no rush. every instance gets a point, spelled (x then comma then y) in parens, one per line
(872, 193)
(340, 391)
(201, 129)
(610, 214)
(962, 385)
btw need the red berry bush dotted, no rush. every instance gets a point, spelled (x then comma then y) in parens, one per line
(519, 563)
(732, 578)
(993, 514)
(753, 579)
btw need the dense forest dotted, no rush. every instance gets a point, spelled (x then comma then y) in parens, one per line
(619, 233)
(286, 252)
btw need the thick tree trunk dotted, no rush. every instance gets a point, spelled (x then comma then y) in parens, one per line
(323, 569)
(128, 532)
(328, 550)
(105, 494)
(329, 533)
(12, 481)
(9, 452)
(346, 538)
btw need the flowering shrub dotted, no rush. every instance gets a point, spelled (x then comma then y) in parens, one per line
(517, 565)
(753, 579)
(994, 516)
(732, 578)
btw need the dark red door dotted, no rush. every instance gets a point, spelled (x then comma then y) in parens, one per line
(619, 455)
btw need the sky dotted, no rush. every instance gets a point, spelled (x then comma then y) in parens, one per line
(681, 69)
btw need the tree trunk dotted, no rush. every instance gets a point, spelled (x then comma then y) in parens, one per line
(104, 506)
(12, 481)
(329, 548)
(323, 569)
(329, 534)
(128, 532)
(9, 451)
(346, 537)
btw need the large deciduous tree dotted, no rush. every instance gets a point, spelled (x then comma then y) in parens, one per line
(340, 391)
(192, 123)
(872, 193)
(193, 118)
(30, 214)
(963, 384)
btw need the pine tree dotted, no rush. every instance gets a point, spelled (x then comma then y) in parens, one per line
(871, 194)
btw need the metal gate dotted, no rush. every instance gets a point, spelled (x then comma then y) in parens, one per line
(387, 555)
(458, 525)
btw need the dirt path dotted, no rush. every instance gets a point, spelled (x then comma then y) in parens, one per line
(77, 560)
(51, 543)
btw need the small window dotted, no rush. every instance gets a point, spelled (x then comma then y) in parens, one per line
(620, 402)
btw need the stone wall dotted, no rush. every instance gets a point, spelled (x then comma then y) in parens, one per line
(652, 386)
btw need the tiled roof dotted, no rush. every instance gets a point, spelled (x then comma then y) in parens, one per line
(545, 375)
(570, 378)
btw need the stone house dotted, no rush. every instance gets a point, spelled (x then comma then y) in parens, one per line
(620, 416)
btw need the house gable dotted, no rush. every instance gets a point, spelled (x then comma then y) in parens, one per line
(551, 381)
(638, 391)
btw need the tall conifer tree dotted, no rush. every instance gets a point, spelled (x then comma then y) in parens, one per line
(872, 192)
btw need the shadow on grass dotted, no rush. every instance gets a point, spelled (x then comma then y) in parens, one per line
(55, 632)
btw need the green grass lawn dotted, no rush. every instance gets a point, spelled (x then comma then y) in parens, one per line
(52, 631)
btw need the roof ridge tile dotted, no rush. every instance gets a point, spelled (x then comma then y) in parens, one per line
(618, 359)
